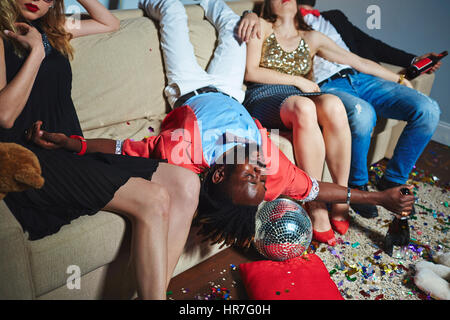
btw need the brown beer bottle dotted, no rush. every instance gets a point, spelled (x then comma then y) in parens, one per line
(423, 65)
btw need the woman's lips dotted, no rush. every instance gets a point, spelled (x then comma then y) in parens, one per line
(31, 7)
(284, 1)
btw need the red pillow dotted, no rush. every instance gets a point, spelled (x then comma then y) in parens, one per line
(300, 278)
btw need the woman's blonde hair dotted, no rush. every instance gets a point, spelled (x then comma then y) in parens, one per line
(52, 24)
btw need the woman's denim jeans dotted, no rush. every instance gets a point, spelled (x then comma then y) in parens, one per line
(367, 97)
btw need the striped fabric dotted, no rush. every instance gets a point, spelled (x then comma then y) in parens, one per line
(263, 101)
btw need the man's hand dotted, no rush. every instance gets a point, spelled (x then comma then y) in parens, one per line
(45, 139)
(436, 66)
(394, 200)
(249, 27)
(407, 83)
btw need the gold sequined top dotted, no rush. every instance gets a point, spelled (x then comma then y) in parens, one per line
(297, 62)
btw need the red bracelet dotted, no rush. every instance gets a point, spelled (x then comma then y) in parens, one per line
(83, 144)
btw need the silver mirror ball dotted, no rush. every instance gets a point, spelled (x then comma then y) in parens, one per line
(283, 230)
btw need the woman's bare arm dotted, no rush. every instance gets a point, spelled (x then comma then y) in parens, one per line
(102, 20)
(15, 94)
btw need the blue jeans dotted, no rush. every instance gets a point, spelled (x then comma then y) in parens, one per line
(367, 97)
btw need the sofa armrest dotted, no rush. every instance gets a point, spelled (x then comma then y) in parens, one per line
(424, 83)
(15, 271)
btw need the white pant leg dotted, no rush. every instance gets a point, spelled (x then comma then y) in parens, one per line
(227, 67)
(182, 69)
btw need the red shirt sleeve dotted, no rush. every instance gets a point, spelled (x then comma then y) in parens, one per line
(179, 142)
(283, 177)
(144, 148)
(299, 184)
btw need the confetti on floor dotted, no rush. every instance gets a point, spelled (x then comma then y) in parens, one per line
(363, 271)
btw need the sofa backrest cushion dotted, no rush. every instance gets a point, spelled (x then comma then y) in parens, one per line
(119, 76)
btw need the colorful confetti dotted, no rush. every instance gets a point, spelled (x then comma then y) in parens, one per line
(352, 264)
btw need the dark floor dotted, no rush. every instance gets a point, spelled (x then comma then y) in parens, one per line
(221, 271)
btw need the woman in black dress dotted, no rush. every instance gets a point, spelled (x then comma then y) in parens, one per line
(35, 85)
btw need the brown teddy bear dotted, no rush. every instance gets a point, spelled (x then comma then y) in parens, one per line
(19, 169)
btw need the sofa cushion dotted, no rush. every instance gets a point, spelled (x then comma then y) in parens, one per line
(283, 144)
(133, 129)
(195, 251)
(124, 82)
(15, 271)
(88, 242)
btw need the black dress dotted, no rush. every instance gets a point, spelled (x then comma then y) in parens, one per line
(74, 185)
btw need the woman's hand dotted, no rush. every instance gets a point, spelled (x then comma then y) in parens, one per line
(249, 27)
(28, 36)
(46, 139)
(394, 200)
(306, 85)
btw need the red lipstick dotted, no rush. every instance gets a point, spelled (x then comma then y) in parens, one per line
(31, 7)
(284, 1)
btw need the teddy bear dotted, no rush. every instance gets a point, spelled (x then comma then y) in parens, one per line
(434, 278)
(19, 169)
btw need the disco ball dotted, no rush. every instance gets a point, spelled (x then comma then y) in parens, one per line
(283, 230)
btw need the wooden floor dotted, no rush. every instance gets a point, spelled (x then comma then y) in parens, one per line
(221, 270)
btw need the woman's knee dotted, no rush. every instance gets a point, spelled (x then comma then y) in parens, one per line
(183, 186)
(331, 101)
(189, 189)
(151, 201)
(300, 110)
(331, 110)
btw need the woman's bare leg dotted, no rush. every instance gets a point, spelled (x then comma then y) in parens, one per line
(332, 118)
(183, 187)
(299, 114)
(147, 205)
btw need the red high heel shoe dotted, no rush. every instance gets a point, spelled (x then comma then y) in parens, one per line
(340, 226)
(325, 237)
